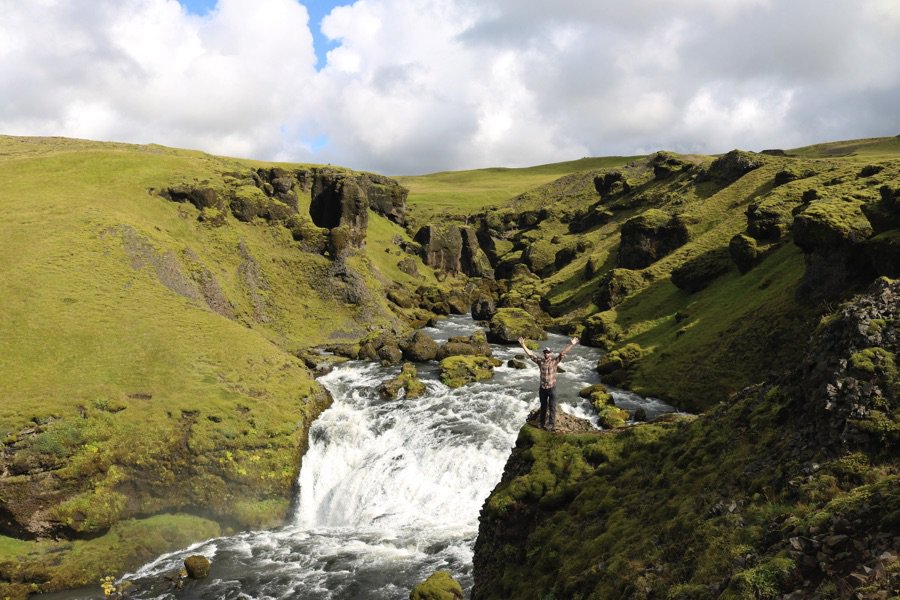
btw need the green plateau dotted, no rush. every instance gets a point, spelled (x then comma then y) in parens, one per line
(165, 312)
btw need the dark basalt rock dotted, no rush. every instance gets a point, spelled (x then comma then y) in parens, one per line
(453, 249)
(611, 183)
(666, 164)
(615, 286)
(483, 309)
(699, 272)
(744, 252)
(419, 348)
(730, 167)
(649, 236)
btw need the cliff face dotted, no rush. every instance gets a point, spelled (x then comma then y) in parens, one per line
(787, 490)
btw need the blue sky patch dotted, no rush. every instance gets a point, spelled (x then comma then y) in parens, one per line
(317, 9)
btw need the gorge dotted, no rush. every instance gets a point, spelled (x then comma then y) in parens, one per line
(167, 314)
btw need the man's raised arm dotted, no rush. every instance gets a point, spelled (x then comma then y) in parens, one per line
(569, 347)
(530, 354)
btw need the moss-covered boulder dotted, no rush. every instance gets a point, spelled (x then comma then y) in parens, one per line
(830, 224)
(540, 256)
(699, 272)
(744, 251)
(649, 236)
(197, 566)
(473, 345)
(311, 237)
(439, 586)
(598, 396)
(666, 164)
(483, 308)
(611, 183)
(249, 202)
(419, 347)
(616, 285)
(598, 214)
(771, 217)
(601, 330)
(407, 380)
(789, 174)
(614, 366)
(611, 417)
(570, 252)
(509, 324)
(381, 346)
(200, 196)
(884, 253)
(457, 371)
(884, 214)
(733, 165)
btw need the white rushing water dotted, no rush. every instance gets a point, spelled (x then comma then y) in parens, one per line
(389, 490)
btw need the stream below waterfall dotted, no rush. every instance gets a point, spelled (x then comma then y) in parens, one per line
(389, 490)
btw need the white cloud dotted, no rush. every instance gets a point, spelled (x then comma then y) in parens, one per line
(424, 85)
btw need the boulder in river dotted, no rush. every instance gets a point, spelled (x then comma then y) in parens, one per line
(439, 586)
(508, 324)
(473, 345)
(197, 566)
(419, 348)
(456, 371)
(407, 380)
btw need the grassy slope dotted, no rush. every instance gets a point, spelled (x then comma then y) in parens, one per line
(147, 400)
(720, 341)
(461, 193)
(715, 506)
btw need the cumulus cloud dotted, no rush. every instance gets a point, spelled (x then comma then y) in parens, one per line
(413, 86)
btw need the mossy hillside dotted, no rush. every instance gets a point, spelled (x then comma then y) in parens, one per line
(726, 344)
(147, 357)
(777, 490)
(681, 506)
(460, 193)
(68, 564)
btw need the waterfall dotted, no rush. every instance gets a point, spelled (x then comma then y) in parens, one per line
(390, 490)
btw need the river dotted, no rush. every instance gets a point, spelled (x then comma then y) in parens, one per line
(389, 490)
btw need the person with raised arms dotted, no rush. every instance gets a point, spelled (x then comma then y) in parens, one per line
(548, 365)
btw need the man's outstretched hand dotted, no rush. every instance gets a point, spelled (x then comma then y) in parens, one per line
(521, 340)
(574, 340)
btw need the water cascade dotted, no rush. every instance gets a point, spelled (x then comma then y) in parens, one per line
(390, 490)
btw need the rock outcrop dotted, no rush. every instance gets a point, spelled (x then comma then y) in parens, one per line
(831, 233)
(509, 324)
(733, 165)
(453, 249)
(339, 204)
(649, 236)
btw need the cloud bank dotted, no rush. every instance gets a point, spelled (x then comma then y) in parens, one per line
(414, 86)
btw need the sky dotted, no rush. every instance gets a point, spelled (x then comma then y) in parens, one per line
(416, 86)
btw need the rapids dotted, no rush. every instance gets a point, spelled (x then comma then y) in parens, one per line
(389, 490)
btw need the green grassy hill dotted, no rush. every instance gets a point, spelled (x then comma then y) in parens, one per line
(150, 358)
(569, 234)
(462, 193)
(162, 308)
